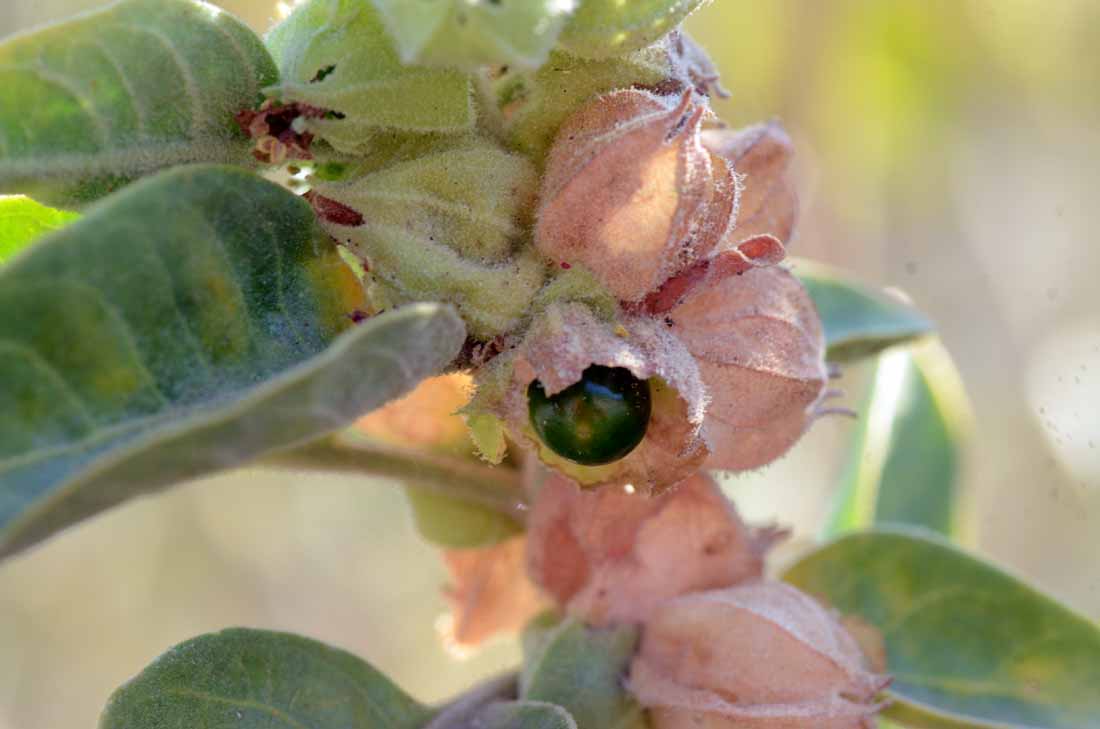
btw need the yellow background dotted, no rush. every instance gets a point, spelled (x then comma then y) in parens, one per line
(947, 147)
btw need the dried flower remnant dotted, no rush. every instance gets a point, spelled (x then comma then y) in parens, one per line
(611, 556)
(278, 131)
(761, 655)
(489, 593)
(631, 193)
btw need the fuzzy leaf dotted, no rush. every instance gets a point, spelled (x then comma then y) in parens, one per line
(22, 220)
(336, 55)
(905, 464)
(581, 669)
(859, 320)
(525, 715)
(456, 523)
(87, 105)
(968, 645)
(530, 106)
(253, 679)
(602, 28)
(186, 325)
(465, 34)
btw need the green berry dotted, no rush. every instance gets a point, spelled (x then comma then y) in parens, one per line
(595, 421)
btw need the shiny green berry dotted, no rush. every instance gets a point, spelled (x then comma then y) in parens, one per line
(595, 421)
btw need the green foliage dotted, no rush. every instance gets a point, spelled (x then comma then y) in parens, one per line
(525, 715)
(859, 320)
(442, 226)
(186, 325)
(22, 220)
(527, 107)
(905, 463)
(464, 34)
(581, 669)
(337, 56)
(87, 105)
(253, 679)
(602, 28)
(967, 644)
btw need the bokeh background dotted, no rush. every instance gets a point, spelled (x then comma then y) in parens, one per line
(947, 147)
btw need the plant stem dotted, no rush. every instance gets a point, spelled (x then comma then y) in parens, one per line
(458, 713)
(496, 487)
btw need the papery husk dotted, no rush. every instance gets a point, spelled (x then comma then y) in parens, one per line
(560, 345)
(761, 156)
(611, 557)
(760, 348)
(630, 192)
(762, 655)
(489, 593)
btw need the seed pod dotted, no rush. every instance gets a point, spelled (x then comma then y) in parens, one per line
(612, 557)
(560, 345)
(761, 655)
(444, 225)
(631, 193)
(760, 348)
(761, 155)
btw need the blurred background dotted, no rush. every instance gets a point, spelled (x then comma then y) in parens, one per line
(950, 148)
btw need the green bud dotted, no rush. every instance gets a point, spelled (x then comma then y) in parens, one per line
(444, 226)
(336, 56)
(465, 34)
(602, 28)
(528, 107)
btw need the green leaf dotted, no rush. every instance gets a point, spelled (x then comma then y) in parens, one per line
(859, 320)
(524, 715)
(602, 28)
(87, 105)
(465, 34)
(256, 679)
(336, 55)
(186, 325)
(967, 644)
(529, 106)
(22, 220)
(456, 523)
(905, 464)
(581, 669)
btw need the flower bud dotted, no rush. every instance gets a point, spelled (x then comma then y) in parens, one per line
(610, 557)
(761, 655)
(761, 156)
(566, 340)
(443, 225)
(630, 192)
(336, 55)
(757, 338)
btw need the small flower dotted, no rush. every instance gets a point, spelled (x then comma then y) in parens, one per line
(611, 557)
(630, 192)
(761, 655)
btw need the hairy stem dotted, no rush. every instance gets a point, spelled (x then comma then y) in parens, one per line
(496, 487)
(458, 714)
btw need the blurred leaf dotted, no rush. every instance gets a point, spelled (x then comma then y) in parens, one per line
(464, 34)
(602, 28)
(89, 104)
(455, 523)
(22, 220)
(524, 715)
(336, 55)
(859, 320)
(253, 679)
(186, 325)
(581, 669)
(905, 463)
(967, 644)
